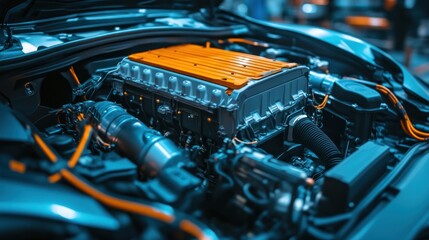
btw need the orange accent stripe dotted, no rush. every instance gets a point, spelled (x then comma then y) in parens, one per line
(17, 166)
(46, 150)
(81, 146)
(117, 203)
(227, 68)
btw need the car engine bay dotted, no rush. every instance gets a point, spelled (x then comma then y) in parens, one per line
(230, 138)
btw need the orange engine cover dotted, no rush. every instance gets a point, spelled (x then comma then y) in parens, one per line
(223, 67)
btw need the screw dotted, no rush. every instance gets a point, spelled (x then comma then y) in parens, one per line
(29, 89)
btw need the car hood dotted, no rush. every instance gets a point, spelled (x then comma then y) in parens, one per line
(28, 10)
(359, 49)
(365, 51)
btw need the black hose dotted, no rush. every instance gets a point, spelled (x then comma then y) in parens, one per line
(307, 133)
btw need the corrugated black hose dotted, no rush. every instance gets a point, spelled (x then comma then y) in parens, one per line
(307, 133)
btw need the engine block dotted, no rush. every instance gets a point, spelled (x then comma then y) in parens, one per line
(213, 93)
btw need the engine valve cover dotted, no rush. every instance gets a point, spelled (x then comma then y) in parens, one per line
(214, 92)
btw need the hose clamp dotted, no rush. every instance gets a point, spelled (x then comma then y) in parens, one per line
(292, 123)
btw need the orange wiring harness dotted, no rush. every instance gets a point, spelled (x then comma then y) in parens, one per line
(114, 202)
(405, 122)
(323, 104)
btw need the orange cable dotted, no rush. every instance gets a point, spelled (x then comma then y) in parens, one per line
(46, 150)
(54, 178)
(407, 130)
(133, 207)
(80, 117)
(17, 166)
(323, 104)
(244, 142)
(414, 133)
(410, 131)
(114, 202)
(423, 134)
(406, 123)
(75, 78)
(404, 127)
(247, 41)
(73, 73)
(194, 230)
(87, 130)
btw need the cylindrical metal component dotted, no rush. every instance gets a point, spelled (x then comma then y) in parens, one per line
(321, 81)
(146, 147)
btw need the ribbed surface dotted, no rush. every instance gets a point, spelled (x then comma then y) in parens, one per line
(226, 68)
(307, 133)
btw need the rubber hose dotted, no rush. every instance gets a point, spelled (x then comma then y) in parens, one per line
(307, 133)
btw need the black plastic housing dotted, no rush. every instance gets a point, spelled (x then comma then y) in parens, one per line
(347, 182)
(356, 105)
(354, 92)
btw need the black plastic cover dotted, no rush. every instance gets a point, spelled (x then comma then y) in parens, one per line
(354, 92)
(347, 182)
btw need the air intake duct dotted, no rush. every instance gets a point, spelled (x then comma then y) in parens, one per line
(144, 146)
(305, 131)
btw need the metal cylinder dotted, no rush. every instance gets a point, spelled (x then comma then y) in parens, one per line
(321, 81)
(146, 147)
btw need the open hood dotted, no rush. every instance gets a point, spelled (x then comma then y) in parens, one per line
(14, 11)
